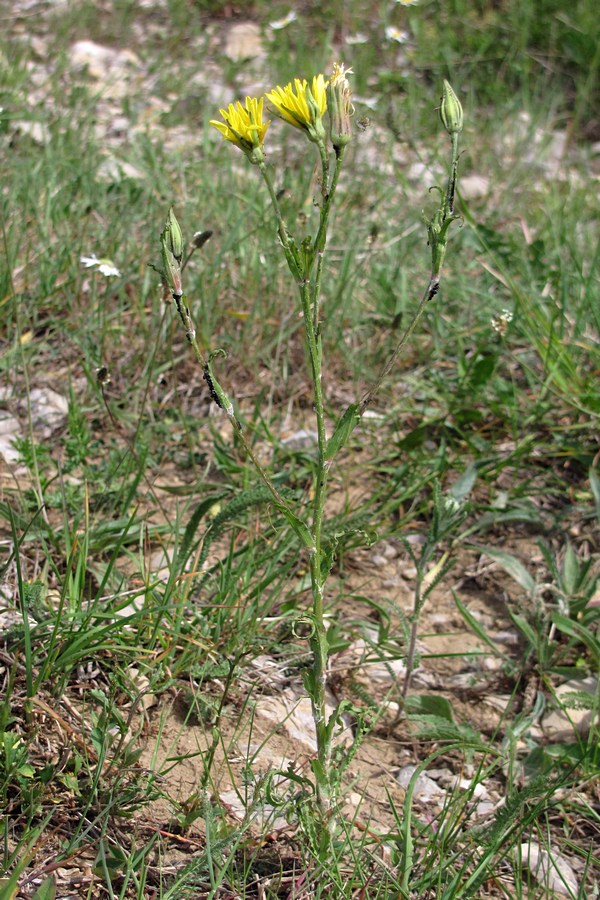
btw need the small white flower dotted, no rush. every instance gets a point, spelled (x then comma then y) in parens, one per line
(105, 266)
(406, 2)
(452, 505)
(396, 34)
(278, 24)
(501, 321)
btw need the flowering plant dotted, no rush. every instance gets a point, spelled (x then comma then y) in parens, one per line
(305, 105)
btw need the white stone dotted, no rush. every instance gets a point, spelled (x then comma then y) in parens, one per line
(302, 439)
(37, 131)
(244, 42)
(48, 410)
(293, 716)
(114, 170)
(426, 788)
(10, 430)
(100, 61)
(560, 724)
(552, 871)
(472, 187)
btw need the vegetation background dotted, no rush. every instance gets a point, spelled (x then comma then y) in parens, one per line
(150, 654)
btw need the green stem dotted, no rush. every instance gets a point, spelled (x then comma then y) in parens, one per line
(432, 289)
(190, 331)
(284, 235)
(451, 188)
(318, 641)
(321, 238)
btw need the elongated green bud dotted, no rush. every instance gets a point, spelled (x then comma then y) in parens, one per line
(451, 112)
(171, 248)
(173, 232)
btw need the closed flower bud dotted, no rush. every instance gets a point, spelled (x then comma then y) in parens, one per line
(451, 112)
(173, 232)
(340, 107)
(171, 249)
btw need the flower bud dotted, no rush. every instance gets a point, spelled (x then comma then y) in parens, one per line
(340, 107)
(451, 112)
(173, 235)
(171, 248)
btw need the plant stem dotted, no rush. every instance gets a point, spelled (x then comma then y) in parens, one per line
(310, 292)
(190, 331)
(321, 238)
(432, 289)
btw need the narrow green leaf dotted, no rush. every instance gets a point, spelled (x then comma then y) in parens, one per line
(571, 571)
(513, 567)
(579, 631)
(306, 538)
(192, 526)
(595, 486)
(8, 888)
(461, 488)
(525, 629)
(475, 626)
(429, 705)
(343, 429)
(47, 890)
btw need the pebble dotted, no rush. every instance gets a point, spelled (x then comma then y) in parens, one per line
(48, 410)
(293, 716)
(551, 870)
(472, 187)
(303, 439)
(10, 430)
(426, 788)
(560, 724)
(244, 42)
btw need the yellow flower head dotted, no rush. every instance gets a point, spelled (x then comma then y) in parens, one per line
(244, 126)
(301, 105)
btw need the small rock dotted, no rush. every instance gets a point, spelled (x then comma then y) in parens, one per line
(48, 410)
(560, 724)
(474, 186)
(420, 172)
(111, 69)
(509, 637)
(37, 131)
(160, 564)
(294, 717)
(142, 684)
(268, 672)
(114, 171)
(389, 550)
(485, 808)
(378, 560)
(440, 621)
(10, 430)
(550, 870)
(303, 439)
(244, 42)
(425, 790)
(377, 671)
(261, 814)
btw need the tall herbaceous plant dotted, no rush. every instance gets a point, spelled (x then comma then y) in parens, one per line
(321, 111)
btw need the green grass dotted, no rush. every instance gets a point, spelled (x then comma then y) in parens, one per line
(143, 476)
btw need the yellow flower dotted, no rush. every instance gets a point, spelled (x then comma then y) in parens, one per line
(244, 126)
(301, 105)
